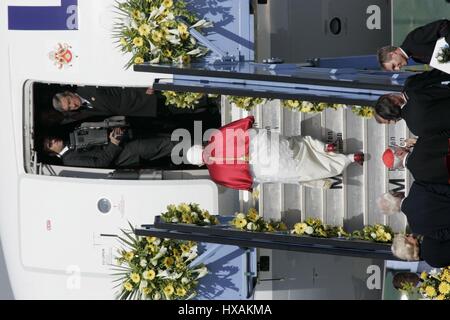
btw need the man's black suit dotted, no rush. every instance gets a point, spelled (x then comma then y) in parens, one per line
(427, 209)
(427, 110)
(419, 44)
(115, 101)
(132, 154)
(428, 160)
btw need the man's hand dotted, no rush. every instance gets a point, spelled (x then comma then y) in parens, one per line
(150, 91)
(115, 135)
(409, 143)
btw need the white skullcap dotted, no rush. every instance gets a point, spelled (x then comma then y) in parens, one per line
(195, 155)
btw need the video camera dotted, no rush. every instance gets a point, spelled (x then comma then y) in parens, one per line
(97, 133)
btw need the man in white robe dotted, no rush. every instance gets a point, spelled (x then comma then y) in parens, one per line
(239, 157)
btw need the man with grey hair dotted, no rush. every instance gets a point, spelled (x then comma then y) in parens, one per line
(427, 208)
(89, 101)
(418, 45)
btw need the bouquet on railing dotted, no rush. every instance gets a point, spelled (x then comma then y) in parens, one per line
(314, 227)
(188, 213)
(309, 107)
(375, 233)
(246, 103)
(153, 268)
(183, 100)
(252, 221)
(155, 31)
(365, 112)
(436, 284)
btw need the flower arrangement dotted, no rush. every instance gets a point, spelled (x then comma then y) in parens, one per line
(309, 107)
(444, 55)
(436, 284)
(155, 31)
(153, 268)
(365, 112)
(314, 227)
(252, 221)
(376, 233)
(246, 103)
(188, 213)
(183, 100)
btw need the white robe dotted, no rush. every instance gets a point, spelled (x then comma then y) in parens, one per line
(298, 160)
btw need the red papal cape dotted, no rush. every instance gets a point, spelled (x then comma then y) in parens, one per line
(226, 155)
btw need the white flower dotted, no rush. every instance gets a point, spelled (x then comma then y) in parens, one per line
(184, 280)
(194, 52)
(143, 263)
(206, 221)
(173, 39)
(156, 296)
(163, 274)
(373, 235)
(143, 284)
(240, 216)
(194, 214)
(309, 230)
(202, 24)
(433, 272)
(161, 252)
(251, 226)
(157, 242)
(193, 41)
(192, 256)
(203, 271)
(174, 219)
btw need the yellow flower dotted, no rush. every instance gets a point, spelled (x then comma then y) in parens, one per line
(300, 228)
(168, 290)
(388, 236)
(138, 42)
(423, 275)
(128, 286)
(135, 277)
(151, 239)
(168, 262)
(144, 30)
(440, 297)
(167, 3)
(138, 60)
(146, 291)
(167, 53)
(293, 103)
(149, 275)
(157, 36)
(253, 215)
(444, 287)
(185, 248)
(128, 256)
(430, 291)
(181, 292)
(136, 14)
(240, 223)
(123, 42)
(182, 28)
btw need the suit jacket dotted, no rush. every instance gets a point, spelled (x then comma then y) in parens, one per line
(419, 44)
(227, 157)
(115, 101)
(96, 157)
(429, 159)
(427, 110)
(133, 154)
(435, 252)
(427, 209)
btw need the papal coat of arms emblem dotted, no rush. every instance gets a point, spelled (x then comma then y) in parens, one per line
(62, 56)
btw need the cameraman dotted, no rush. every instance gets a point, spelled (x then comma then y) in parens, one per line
(132, 154)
